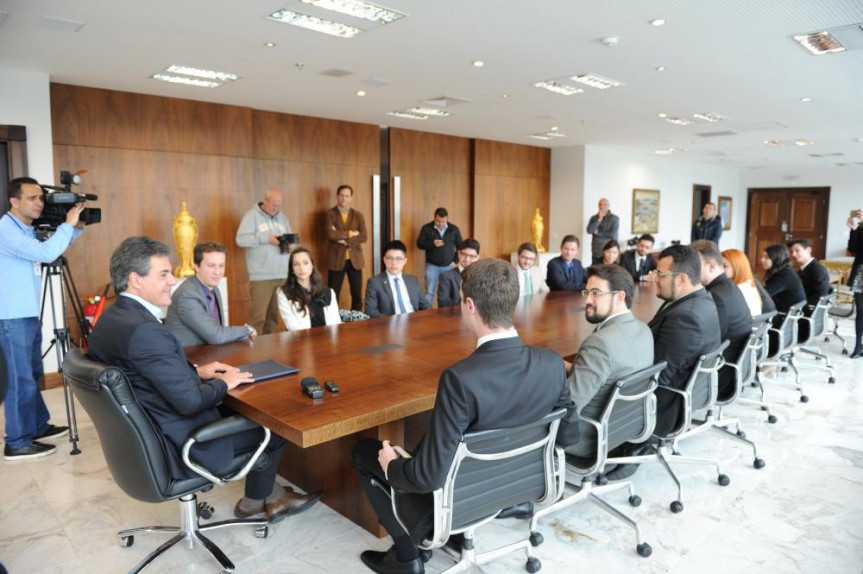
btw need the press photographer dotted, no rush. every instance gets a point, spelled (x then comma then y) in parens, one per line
(21, 258)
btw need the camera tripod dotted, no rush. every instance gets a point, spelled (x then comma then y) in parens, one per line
(62, 340)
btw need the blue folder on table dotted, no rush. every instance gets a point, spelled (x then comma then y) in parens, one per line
(269, 369)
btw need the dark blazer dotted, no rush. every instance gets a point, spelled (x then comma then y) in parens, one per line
(449, 288)
(189, 318)
(855, 246)
(130, 338)
(785, 288)
(816, 282)
(627, 261)
(557, 279)
(504, 383)
(735, 324)
(338, 230)
(710, 230)
(379, 297)
(446, 253)
(683, 330)
(602, 231)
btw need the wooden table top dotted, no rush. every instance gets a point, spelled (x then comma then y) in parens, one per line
(386, 368)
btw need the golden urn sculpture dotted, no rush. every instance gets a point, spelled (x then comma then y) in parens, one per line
(186, 237)
(536, 229)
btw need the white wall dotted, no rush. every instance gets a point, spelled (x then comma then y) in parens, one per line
(596, 172)
(846, 193)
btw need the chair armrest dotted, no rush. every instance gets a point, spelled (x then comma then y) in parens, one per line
(219, 429)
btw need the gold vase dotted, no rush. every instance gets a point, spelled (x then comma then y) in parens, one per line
(536, 229)
(186, 237)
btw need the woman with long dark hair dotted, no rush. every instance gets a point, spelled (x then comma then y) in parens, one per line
(304, 302)
(855, 279)
(781, 282)
(611, 252)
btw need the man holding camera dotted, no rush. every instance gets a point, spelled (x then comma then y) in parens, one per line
(21, 258)
(266, 259)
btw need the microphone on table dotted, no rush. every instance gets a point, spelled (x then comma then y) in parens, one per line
(311, 387)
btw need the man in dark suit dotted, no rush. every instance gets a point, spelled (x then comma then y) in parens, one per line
(815, 279)
(504, 383)
(600, 362)
(684, 328)
(195, 316)
(639, 262)
(393, 292)
(449, 288)
(179, 396)
(346, 232)
(735, 319)
(565, 272)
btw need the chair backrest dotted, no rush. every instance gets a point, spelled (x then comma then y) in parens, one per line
(702, 383)
(787, 331)
(494, 469)
(820, 314)
(133, 449)
(630, 414)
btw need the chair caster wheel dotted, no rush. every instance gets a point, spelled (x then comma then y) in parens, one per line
(601, 480)
(262, 531)
(533, 565)
(759, 463)
(676, 506)
(536, 539)
(784, 369)
(127, 541)
(845, 352)
(644, 549)
(635, 500)
(804, 399)
(205, 511)
(771, 419)
(741, 434)
(831, 380)
(724, 480)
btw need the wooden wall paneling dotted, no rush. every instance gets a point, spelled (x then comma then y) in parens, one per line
(94, 117)
(511, 160)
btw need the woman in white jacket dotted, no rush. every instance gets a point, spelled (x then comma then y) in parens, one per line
(304, 302)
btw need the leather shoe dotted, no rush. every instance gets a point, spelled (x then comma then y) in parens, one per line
(621, 472)
(290, 503)
(52, 431)
(33, 450)
(523, 510)
(388, 563)
(858, 352)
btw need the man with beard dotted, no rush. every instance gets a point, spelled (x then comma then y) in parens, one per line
(601, 360)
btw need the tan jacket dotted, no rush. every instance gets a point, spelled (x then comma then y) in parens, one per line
(336, 230)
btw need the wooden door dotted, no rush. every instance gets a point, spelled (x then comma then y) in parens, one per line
(779, 215)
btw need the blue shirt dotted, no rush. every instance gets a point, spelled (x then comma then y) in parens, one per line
(21, 256)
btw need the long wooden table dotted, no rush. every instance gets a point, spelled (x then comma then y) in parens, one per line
(387, 370)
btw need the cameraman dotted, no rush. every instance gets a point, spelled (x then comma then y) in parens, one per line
(266, 263)
(21, 256)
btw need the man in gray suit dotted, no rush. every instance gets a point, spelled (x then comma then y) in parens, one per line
(619, 346)
(393, 292)
(195, 316)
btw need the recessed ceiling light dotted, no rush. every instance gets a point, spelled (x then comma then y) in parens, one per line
(432, 112)
(805, 100)
(774, 143)
(270, 44)
(803, 142)
(662, 115)
(596, 81)
(478, 63)
(555, 134)
(185, 80)
(558, 88)
(408, 115)
(504, 95)
(314, 23)
(657, 22)
(820, 43)
(660, 68)
(708, 117)
(358, 9)
(361, 93)
(201, 73)
(858, 140)
(678, 121)
(538, 137)
(554, 128)
(663, 151)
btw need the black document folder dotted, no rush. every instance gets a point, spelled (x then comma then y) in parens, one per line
(269, 369)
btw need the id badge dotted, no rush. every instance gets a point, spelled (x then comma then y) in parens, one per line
(37, 269)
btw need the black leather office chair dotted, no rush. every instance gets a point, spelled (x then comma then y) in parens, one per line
(629, 416)
(135, 453)
(492, 470)
(843, 308)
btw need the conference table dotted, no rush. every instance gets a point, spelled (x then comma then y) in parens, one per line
(387, 370)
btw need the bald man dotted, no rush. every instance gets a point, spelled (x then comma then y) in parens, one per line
(266, 263)
(602, 228)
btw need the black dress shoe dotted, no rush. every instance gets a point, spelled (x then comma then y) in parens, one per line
(32, 450)
(52, 431)
(858, 352)
(523, 510)
(388, 563)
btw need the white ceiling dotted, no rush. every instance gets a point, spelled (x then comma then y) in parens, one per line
(732, 57)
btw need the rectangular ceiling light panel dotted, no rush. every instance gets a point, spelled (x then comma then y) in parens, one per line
(185, 80)
(201, 73)
(558, 88)
(408, 115)
(358, 9)
(427, 111)
(314, 23)
(596, 81)
(820, 43)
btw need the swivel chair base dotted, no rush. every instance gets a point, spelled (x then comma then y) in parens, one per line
(191, 531)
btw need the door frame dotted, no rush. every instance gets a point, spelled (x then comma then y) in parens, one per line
(823, 190)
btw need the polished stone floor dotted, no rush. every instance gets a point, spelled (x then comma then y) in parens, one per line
(802, 513)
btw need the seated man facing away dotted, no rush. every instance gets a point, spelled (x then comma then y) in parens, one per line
(178, 396)
(449, 287)
(392, 292)
(195, 316)
(620, 345)
(503, 384)
(735, 320)
(529, 273)
(565, 272)
(639, 262)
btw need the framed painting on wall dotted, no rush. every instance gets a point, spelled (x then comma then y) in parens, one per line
(724, 208)
(645, 211)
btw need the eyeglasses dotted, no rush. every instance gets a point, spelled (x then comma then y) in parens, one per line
(596, 292)
(390, 258)
(669, 274)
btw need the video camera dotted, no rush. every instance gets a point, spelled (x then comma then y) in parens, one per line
(59, 200)
(286, 240)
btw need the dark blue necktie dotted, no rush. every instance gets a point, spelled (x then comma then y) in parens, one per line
(402, 308)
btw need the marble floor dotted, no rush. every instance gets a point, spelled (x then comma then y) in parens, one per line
(802, 513)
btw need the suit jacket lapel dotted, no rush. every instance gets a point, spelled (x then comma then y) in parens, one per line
(388, 290)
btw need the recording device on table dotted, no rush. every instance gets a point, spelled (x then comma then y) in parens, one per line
(59, 199)
(286, 240)
(310, 386)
